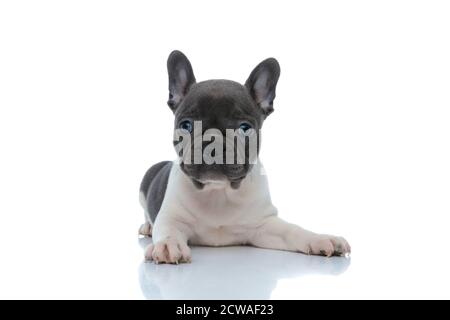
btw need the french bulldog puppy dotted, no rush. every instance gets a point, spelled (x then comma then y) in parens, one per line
(209, 200)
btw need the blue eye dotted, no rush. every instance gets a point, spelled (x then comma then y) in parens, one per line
(186, 125)
(245, 127)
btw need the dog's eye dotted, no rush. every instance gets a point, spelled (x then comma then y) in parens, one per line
(244, 127)
(186, 125)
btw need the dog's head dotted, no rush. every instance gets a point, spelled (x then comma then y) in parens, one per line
(218, 122)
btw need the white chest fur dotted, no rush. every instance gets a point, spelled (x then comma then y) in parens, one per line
(217, 214)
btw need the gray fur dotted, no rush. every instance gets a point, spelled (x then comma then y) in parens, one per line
(154, 185)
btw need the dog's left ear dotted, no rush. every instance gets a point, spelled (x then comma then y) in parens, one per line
(262, 83)
(181, 78)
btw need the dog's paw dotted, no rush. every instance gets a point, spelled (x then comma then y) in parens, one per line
(168, 251)
(146, 229)
(326, 245)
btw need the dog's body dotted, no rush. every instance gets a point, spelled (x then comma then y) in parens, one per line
(219, 204)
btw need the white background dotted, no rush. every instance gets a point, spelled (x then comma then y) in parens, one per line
(358, 144)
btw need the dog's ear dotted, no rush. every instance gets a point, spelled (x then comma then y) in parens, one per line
(181, 78)
(262, 83)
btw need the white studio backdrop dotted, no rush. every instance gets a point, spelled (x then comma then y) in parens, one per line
(358, 144)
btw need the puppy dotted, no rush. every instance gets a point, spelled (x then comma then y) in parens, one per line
(216, 192)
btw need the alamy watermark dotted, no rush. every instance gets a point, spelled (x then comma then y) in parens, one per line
(213, 147)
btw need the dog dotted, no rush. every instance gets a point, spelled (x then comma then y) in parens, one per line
(210, 202)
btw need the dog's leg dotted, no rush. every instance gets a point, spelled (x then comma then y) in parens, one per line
(275, 233)
(146, 229)
(169, 243)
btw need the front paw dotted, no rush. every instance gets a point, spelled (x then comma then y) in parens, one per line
(168, 251)
(325, 245)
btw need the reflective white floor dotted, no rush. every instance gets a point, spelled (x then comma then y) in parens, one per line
(233, 273)
(91, 265)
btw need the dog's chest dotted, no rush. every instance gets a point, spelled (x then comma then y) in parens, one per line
(221, 216)
(218, 214)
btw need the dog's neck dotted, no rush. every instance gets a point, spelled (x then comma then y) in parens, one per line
(218, 203)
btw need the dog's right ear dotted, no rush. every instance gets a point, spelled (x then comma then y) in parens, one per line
(181, 78)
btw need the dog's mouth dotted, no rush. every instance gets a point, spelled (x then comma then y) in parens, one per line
(216, 176)
(217, 183)
(211, 184)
